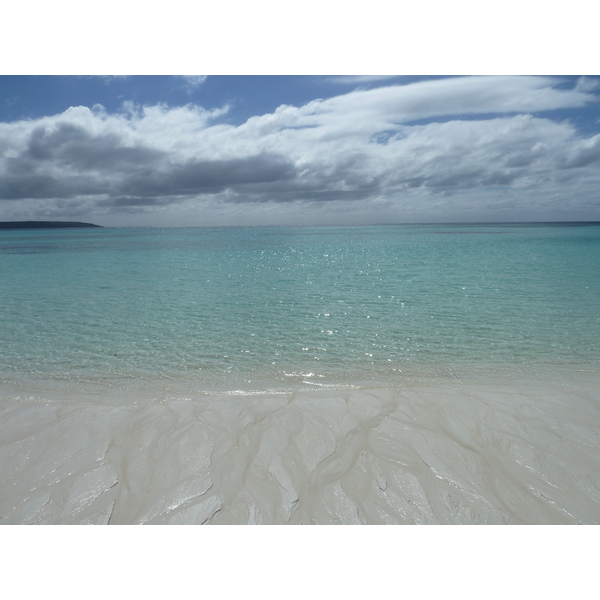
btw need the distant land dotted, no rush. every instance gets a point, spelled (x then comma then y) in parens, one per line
(43, 224)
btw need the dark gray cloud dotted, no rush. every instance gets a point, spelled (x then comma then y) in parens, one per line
(209, 176)
(28, 185)
(73, 146)
(248, 175)
(31, 186)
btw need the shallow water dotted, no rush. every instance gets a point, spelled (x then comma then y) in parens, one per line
(264, 308)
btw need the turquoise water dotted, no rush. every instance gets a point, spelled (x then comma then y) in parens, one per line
(249, 308)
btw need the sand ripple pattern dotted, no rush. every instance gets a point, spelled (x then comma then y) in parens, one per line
(469, 454)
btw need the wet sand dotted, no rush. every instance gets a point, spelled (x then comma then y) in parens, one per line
(461, 454)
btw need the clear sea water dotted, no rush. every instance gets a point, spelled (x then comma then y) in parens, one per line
(245, 309)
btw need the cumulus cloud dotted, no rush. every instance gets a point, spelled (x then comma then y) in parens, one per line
(440, 145)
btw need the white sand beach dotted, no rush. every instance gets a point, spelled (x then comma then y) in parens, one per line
(461, 454)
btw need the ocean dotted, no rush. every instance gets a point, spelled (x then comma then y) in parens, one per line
(268, 308)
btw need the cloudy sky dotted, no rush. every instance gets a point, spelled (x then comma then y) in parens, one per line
(236, 150)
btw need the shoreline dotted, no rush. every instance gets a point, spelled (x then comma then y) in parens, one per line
(460, 453)
(128, 388)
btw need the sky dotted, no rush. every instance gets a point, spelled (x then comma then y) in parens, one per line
(299, 149)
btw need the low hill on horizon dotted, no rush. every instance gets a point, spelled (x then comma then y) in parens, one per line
(43, 224)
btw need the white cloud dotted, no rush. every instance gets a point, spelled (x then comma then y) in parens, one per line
(193, 82)
(362, 155)
(451, 96)
(587, 84)
(359, 79)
